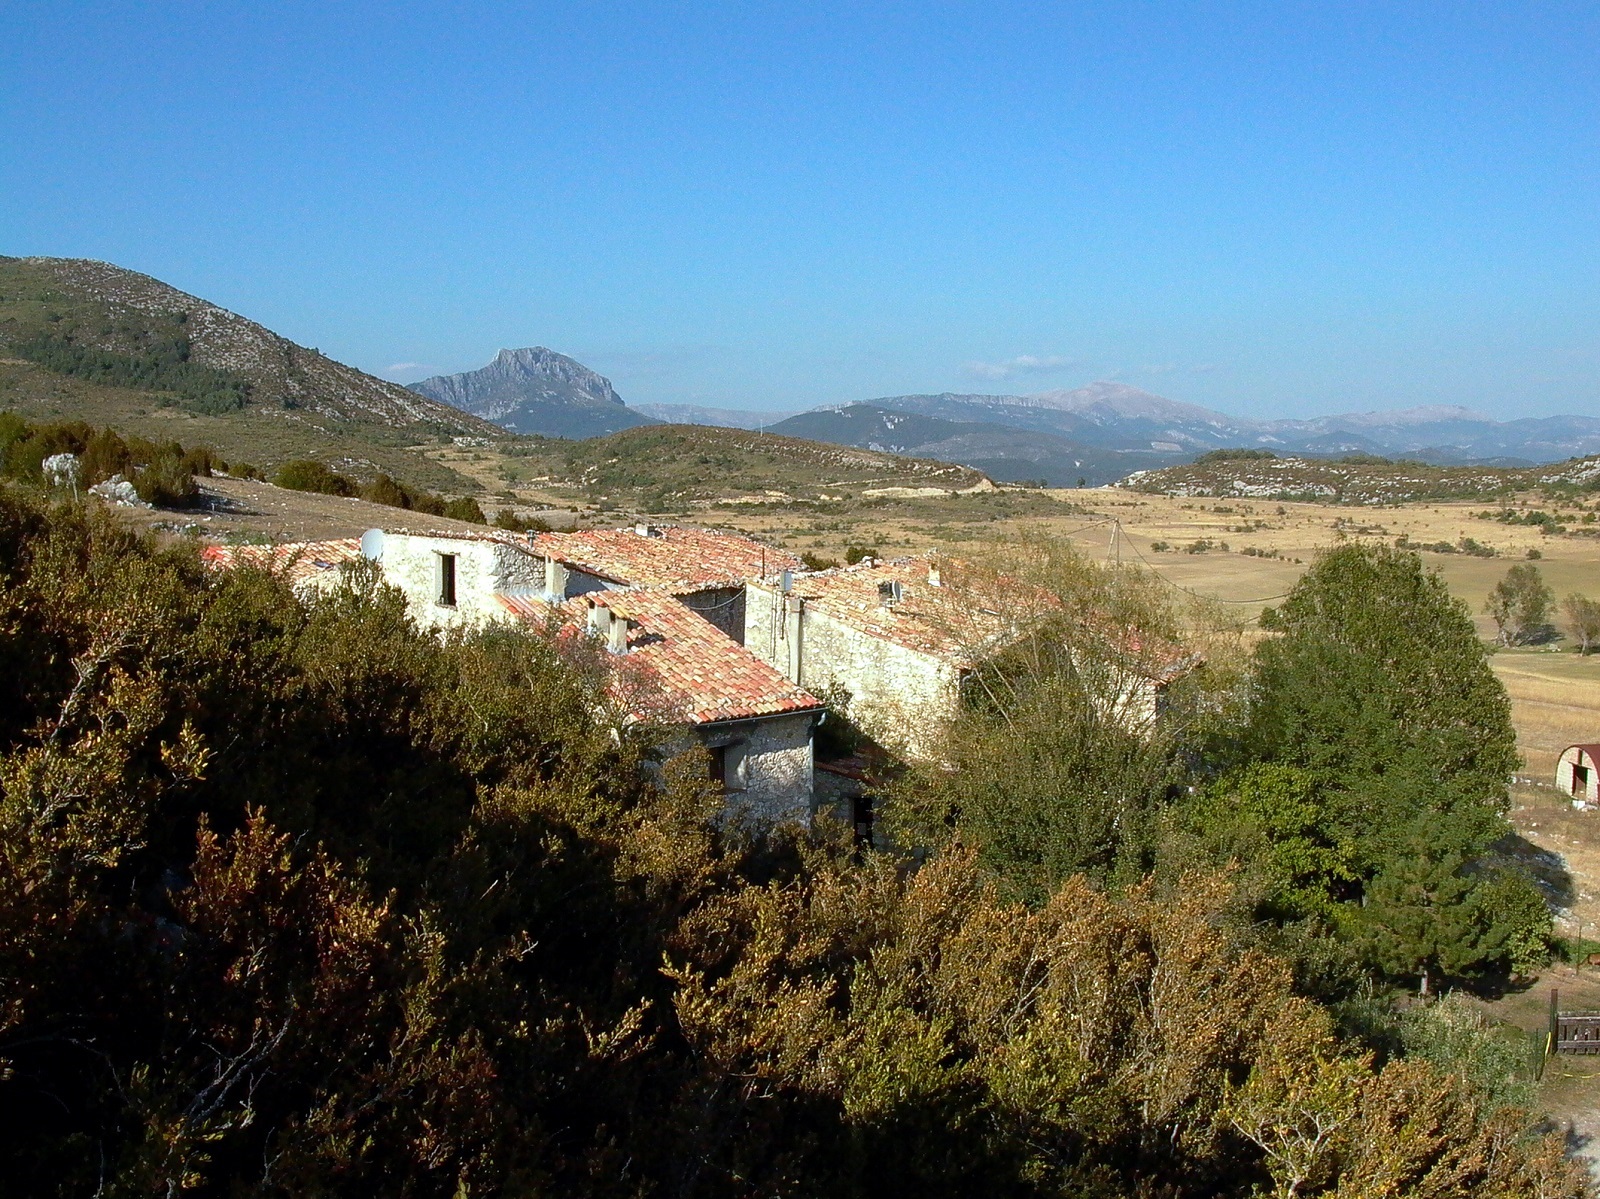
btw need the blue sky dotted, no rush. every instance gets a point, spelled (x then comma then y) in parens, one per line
(1276, 210)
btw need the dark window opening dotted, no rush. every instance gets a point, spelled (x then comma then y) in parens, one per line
(447, 580)
(861, 817)
(727, 766)
(1580, 781)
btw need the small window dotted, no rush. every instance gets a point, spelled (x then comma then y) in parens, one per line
(447, 580)
(862, 817)
(728, 766)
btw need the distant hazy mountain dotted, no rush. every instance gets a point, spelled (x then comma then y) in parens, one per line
(722, 418)
(536, 390)
(1004, 452)
(1118, 417)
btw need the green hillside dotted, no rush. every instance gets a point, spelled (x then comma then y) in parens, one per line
(82, 340)
(673, 467)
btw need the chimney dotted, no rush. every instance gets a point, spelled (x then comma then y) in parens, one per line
(794, 630)
(934, 578)
(645, 530)
(617, 635)
(600, 621)
(555, 581)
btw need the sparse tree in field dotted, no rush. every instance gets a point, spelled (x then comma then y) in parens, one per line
(1581, 615)
(1520, 605)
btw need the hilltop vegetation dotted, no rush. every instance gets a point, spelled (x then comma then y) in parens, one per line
(88, 341)
(1356, 479)
(675, 467)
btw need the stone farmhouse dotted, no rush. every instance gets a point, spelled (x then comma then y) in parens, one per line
(895, 642)
(729, 642)
(676, 668)
(641, 593)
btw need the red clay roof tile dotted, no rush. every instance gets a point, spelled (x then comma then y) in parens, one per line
(671, 557)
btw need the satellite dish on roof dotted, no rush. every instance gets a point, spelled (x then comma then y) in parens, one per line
(372, 545)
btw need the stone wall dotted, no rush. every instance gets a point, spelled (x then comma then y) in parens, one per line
(483, 567)
(722, 606)
(769, 779)
(900, 697)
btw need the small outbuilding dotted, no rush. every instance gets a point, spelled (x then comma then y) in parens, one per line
(1578, 773)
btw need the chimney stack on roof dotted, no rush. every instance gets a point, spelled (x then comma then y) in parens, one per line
(935, 579)
(555, 581)
(617, 634)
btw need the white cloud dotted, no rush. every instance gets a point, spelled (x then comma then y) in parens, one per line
(1023, 364)
(406, 368)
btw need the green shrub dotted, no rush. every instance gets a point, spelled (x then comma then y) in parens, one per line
(1455, 1036)
(507, 519)
(1238, 455)
(465, 508)
(306, 474)
(384, 490)
(166, 483)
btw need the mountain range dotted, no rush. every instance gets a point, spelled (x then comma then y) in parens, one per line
(726, 418)
(1097, 433)
(110, 343)
(1116, 416)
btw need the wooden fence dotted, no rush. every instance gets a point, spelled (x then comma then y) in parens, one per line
(1572, 1032)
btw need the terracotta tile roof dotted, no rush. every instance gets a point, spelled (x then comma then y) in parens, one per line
(953, 622)
(671, 557)
(702, 674)
(969, 616)
(302, 561)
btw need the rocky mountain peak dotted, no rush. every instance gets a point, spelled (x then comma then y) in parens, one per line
(536, 390)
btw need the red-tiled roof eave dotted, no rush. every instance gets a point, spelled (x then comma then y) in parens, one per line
(299, 561)
(705, 676)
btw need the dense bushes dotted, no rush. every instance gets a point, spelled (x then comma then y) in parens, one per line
(297, 900)
(309, 475)
(162, 473)
(305, 474)
(1355, 772)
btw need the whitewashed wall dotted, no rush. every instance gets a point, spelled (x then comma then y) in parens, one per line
(483, 567)
(900, 697)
